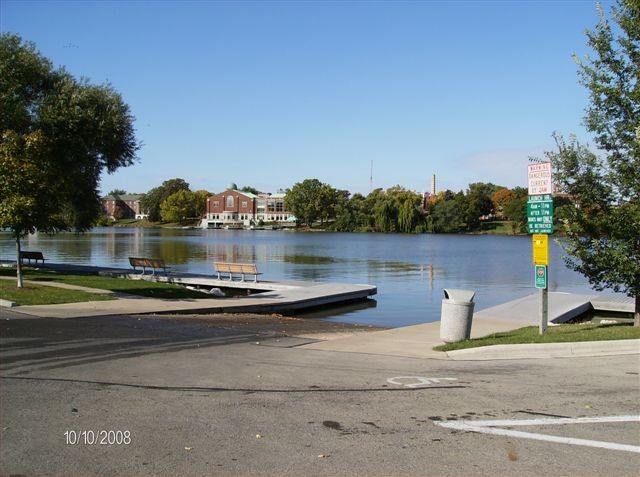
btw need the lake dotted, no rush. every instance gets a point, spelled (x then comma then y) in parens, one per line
(410, 271)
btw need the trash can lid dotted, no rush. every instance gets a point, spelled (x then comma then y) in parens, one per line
(459, 295)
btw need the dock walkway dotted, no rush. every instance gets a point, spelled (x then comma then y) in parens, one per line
(274, 297)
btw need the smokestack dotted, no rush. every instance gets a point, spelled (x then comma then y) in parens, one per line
(433, 184)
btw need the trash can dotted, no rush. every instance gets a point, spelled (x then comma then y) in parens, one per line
(457, 314)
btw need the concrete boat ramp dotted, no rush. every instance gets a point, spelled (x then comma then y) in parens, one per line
(562, 307)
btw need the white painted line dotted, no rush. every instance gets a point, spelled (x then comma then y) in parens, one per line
(549, 421)
(490, 427)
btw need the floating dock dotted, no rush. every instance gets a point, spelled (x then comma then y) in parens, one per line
(266, 297)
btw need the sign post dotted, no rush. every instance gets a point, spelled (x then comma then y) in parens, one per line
(540, 225)
(541, 284)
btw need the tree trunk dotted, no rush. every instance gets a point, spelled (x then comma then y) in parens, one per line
(18, 263)
(636, 315)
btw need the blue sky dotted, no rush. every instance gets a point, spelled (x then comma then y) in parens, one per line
(271, 93)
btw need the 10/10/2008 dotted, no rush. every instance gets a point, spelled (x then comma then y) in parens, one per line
(101, 437)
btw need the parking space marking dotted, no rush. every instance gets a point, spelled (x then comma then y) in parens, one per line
(416, 381)
(494, 428)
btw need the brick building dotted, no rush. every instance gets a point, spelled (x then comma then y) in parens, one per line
(236, 209)
(125, 206)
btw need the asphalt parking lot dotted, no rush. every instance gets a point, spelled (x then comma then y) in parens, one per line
(135, 395)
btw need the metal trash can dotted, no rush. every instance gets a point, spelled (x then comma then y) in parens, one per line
(457, 314)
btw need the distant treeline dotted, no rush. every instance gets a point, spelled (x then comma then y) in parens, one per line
(400, 210)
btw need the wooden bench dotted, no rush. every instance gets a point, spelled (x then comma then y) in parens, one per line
(25, 255)
(152, 263)
(236, 268)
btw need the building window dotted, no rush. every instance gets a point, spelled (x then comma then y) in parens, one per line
(279, 206)
(271, 207)
(216, 203)
(244, 204)
(230, 201)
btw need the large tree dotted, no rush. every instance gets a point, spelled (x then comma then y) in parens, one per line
(179, 207)
(155, 197)
(603, 227)
(58, 135)
(306, 200)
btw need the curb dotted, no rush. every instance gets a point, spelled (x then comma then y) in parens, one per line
(7, 304)
(547, 350)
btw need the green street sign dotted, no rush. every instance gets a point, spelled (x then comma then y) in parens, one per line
(540, 208)
(540, 214)
(540, 225)
(540, 198)
(541, 276)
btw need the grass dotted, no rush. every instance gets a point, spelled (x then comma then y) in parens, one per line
(119, 285)
(32, 294)
(555, 334)
(497, 227)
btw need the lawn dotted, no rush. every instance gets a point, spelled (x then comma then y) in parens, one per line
(554, 334)
(32, 294)
(120, 285)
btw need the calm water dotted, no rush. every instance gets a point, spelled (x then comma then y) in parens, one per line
(410, 271)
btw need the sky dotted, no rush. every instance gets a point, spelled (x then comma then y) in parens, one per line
(267, 94)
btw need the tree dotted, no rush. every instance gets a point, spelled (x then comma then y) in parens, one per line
(446, 217)
(251, 190)
(602, 228)
(178, 207)
(156, 196)
(516, 210)
(501, 199)
(201, 197)
(304, 199)
(58, 135)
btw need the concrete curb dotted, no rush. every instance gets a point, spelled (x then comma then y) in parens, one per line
(6, 304)
(547, 350)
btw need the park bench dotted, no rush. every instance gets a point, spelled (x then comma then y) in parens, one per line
(152, 263)
(25, 255)
(237, 269)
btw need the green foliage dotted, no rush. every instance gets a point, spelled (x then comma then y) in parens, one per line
(200, 202)
(453, 213)
(251, 190)
(152, 200)
(308, 200)
(500, 199)
(447, 216)
(602, 227)
(179, 207)
(612, 78)
(57, 136)
(65, 131)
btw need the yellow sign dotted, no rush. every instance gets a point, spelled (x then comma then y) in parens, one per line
(540, 249)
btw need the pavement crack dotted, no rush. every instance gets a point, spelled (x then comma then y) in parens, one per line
(227, 389)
